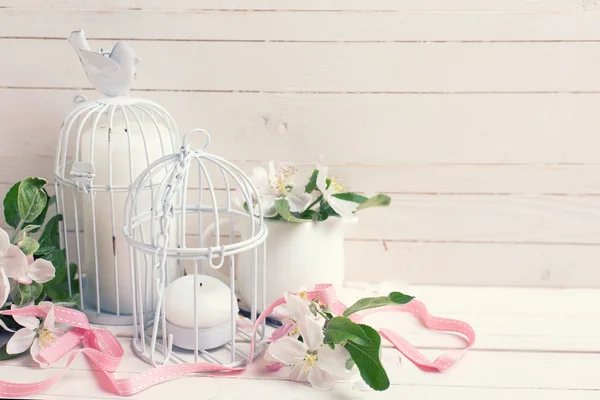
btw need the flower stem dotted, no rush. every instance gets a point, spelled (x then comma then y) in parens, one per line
(315, 202)
(16, 232)
(322, 314)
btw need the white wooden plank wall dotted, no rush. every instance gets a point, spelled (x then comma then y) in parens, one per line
(479, 118)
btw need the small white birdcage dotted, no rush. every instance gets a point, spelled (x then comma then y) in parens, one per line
(103, 146)
(186, 312)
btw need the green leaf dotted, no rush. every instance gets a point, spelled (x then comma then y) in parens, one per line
(367, 360)
(28, 293)
(394, 298)
(74, 282)
(43, 250)
(11, 207)
(31, 228)
(327, 211)
(283, 208)
(50, 238)
(59, 260)
(311, 186)
(32, 199)
(40, 298)
(353, 197)
(312, 214)
(58, 292)
(39, 221)
(5, 356)
(28, 245)
(380, 200)
(350, 364)
(19, 237)
(342, 329)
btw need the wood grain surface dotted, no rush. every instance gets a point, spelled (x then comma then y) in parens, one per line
(478, 118)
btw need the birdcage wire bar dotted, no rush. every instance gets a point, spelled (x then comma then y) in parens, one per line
(89, 164)
(172, 201)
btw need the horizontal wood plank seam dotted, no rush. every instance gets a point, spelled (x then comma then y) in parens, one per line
(471, 242)
(466, 194)
(330, 92)
(438, 241)
(306, 41)
(385, 164)
(582, 9)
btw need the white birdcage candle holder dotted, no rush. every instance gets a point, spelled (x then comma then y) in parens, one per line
(103, 146)
(187, 315)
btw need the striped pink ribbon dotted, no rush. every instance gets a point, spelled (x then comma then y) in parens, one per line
(104, 350)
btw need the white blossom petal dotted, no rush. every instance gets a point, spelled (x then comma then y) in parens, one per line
(320, 379)
(312, 333)
(281, 311)
(275, 168)
(299, 373)
(343, 207)
(4, 241)
(35, 351)
(49, 320)
(268, 204)
(45, 305)
(298, 199)
(297, 307)
(238, 198)
(334, 361)
(25, 280)
(15, 263)
(260, 180)
(41, 271)
(4, 286)
(27, 321)
(20, 341)
(288, 350)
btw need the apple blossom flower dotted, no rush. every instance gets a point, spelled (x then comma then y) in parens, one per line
(278, 184)
(295, 309)
(34, 335)
(15, 265)
(312, 361)
(4, 284)
(343, 207)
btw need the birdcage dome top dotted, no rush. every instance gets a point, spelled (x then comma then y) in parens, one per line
(185, 192)
(98, 133)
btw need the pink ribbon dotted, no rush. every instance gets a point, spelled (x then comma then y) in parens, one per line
(104, 350)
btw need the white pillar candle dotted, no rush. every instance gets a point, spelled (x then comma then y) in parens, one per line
(213, 302)
(115, 288)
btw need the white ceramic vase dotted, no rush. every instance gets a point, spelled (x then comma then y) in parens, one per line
(299, 255)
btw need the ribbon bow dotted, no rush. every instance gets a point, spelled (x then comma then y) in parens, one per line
(104, 350)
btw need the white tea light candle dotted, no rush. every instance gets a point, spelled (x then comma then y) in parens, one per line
(213, 310)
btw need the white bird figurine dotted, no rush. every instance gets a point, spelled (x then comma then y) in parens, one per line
(110, 74)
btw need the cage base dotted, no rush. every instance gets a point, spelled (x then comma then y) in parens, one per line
(207, 338)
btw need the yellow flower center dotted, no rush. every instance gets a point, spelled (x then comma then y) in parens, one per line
(338, 186)
(310, 360)
(46, 337)
(283, 180)
(294, 331)
(302, 295)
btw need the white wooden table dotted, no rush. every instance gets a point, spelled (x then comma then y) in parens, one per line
(531, 344)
